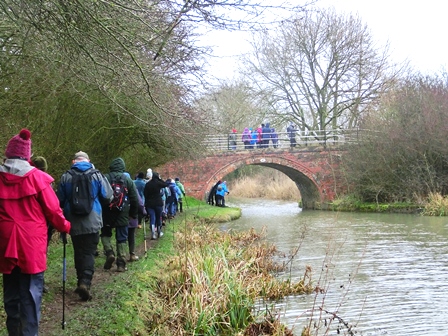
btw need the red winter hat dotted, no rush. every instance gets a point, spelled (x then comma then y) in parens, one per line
(19, 145)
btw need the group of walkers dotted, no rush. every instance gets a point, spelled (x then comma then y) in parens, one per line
(88, 205)
(217, 194)
(261, 137)
(163, 199)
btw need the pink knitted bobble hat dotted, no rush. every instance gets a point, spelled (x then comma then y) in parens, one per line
(19, 145)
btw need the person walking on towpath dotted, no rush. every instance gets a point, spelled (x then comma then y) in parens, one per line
(81, 192)
(140, 183)
(116, 215)
(133, 225)
(27, 203)
(182, 190)
(154, 203)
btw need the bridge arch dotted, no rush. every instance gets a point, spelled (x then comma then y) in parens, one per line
(301, 175)
(315, 171)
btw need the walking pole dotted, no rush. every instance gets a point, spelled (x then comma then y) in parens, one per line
(144, 236)
(64, 276)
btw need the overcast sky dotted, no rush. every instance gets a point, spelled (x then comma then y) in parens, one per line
(416, 31)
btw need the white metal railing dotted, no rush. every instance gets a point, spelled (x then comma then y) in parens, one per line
(222, 142)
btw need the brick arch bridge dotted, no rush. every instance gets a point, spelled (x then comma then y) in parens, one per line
(313, 170)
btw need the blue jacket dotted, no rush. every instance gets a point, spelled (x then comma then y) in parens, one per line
(223, 190)
(102, 192)
(266, 132)
(140, 185)
(177, 192)
(254, 138)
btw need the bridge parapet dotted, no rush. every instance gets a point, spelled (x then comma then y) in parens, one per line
(302, 139)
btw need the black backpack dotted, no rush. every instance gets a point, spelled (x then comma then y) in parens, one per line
(82, 199)
(120, 192)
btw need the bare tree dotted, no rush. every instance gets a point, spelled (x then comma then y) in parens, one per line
(116, 77)
(232, 105)
(320, 70)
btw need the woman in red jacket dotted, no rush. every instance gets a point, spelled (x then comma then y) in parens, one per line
(27, 202)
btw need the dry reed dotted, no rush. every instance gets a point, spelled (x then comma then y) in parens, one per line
(210, 286)
(271, 185)
(437, 205)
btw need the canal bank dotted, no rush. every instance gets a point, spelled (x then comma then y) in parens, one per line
(382, 273)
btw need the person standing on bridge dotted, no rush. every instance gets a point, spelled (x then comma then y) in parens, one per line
(253, 141)
(232, 140)
(265, 135)
(259, 133)
(246, 138)
(292, 135)
(274, 138)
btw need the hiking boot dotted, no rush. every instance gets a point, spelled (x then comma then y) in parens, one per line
(109, 261)
(133, 257)
(160, 234)
(154, 236)
(122, 268)
(83, 292)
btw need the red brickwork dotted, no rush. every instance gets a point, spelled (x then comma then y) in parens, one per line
(314, 171)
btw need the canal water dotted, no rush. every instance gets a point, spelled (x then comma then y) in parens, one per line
(382, 274)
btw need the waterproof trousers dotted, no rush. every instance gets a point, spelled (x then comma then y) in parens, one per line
(22, 298)
(121, 236)
(155, 217)
(84, 247)
(131, 239)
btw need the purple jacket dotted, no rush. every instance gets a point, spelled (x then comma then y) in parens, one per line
(133, 222)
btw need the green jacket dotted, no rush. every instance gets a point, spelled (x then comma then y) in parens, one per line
(121, 218)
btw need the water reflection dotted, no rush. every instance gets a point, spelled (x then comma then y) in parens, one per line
(385, 273)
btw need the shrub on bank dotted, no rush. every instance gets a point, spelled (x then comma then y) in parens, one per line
(351, 203)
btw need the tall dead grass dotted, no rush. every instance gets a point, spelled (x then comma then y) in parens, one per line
(271, 185)
(436, 205)
(210, 285)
